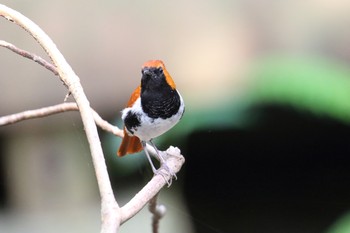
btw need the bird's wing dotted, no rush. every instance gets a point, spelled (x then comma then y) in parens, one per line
(130, 144)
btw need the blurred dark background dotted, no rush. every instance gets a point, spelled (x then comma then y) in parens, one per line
(287, 173)
(265, 133)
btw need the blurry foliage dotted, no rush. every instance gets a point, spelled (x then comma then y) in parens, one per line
(315, 85)
(342, 225)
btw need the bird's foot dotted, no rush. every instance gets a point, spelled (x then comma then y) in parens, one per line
(165, 172)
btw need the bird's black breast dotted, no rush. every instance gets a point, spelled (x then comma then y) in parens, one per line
(162, 104)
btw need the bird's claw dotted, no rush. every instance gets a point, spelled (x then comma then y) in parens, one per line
(165, 171)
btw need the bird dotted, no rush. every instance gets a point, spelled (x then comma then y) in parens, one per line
(154, 107)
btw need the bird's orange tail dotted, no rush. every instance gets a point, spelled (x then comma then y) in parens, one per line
(130, 145)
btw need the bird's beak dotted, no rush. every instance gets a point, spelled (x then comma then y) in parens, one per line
(146, 71)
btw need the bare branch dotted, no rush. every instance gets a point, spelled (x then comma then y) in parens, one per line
(30, 56)
(105, 125)
(59, 108)
(37, 113)
(109, 206)
(41, 61)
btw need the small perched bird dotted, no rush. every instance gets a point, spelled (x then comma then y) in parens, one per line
(153, 108)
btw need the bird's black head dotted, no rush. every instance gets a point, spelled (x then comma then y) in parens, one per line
(159, 98)
(153, 79)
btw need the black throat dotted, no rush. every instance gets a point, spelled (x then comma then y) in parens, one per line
(160, 101)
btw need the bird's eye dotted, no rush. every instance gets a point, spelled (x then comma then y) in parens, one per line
(159, 70)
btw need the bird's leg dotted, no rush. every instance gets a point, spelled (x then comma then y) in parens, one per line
(163, 163)
(162, 160)
(144, 145)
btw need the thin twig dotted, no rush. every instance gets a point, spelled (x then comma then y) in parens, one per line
(37, 113)
(158, 212)
(59, 108)
(30, 56)
(105, 125)
(152, 207)
(41, 61)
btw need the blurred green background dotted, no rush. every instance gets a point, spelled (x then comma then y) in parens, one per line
(266, 129)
